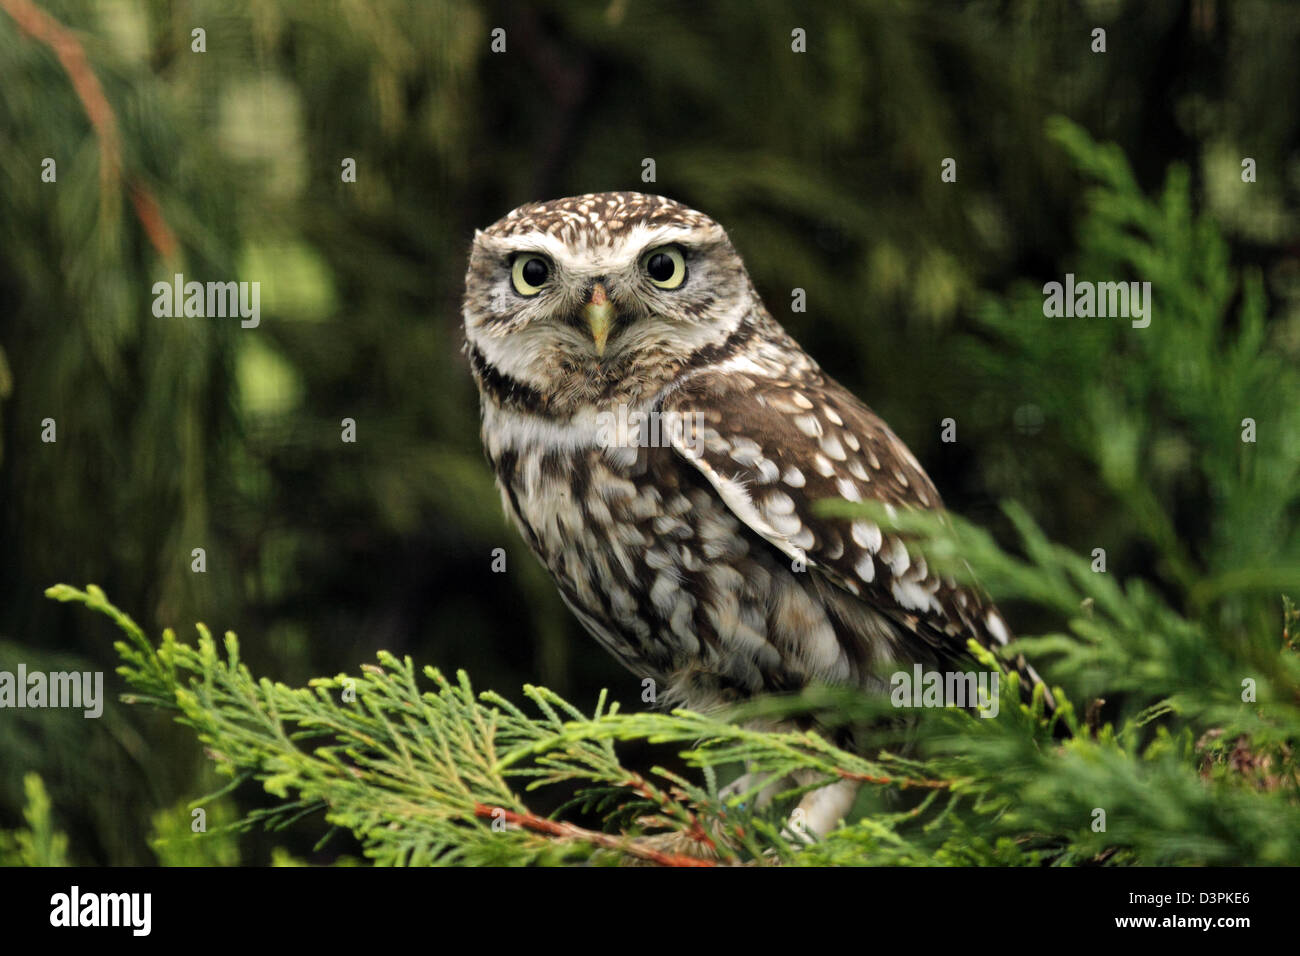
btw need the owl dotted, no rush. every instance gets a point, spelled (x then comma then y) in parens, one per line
(660, 441)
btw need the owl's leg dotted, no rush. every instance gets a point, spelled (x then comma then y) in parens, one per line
(818, 813)
(822, 810)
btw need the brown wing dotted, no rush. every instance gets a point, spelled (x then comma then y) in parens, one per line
(771, 448)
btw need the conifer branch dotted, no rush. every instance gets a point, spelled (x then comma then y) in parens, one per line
(45, 29)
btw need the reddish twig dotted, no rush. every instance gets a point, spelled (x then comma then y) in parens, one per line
(151, 217)
(695, 830)
(568, 831)
(903, 782)
(43, 28)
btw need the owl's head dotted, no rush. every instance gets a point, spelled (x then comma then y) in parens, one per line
(601, 297)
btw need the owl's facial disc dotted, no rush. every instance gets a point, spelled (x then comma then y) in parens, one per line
(600, 298)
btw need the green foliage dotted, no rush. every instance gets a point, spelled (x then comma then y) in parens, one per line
(1156, 417)
(440, 775)
(1158, 414)
(175, 842)
(39, 844)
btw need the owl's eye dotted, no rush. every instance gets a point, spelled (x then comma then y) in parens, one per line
(666, 266)
(528, 273)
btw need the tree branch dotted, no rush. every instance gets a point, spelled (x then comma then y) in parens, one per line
(43, 28)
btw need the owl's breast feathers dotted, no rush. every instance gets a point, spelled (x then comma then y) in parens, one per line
(701, 562)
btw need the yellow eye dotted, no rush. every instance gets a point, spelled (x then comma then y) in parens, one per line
(666, 266)
(528, 273)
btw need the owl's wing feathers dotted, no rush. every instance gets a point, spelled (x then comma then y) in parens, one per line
(772, 447)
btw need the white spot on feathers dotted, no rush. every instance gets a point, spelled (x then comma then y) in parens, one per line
(910, 595)
(745, 451)
(831, 445)
(786, 525)
(809, 425)
(866, 535)
(804, 539)
(778, 502)
(897, 559)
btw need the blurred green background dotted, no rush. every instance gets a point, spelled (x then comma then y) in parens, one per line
(175, 433)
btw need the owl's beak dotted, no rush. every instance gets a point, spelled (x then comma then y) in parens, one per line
(599, 313)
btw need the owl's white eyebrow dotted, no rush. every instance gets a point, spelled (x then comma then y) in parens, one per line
(588, 258)
(513, 254)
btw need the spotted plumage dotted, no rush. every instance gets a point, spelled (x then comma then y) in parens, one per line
(660, 441)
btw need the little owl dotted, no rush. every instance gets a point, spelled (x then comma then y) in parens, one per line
(660, 441)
